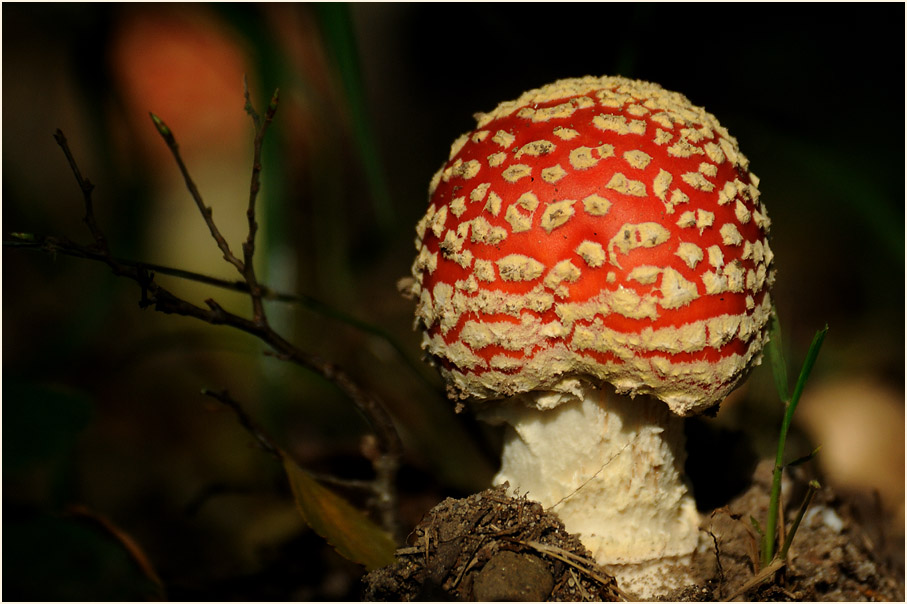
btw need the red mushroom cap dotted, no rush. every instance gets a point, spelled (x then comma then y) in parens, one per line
(596, 227)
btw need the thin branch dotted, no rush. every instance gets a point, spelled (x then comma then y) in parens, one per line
(248, 107)
(124, 539)
(162, 300)
(206, 211)
(761, 577)
(813, 487)
(577, 562)
(60, 245)
(374, 410)
(267, 444)
(261, 127)
(87, 188)
(246, 420)
(377, 487)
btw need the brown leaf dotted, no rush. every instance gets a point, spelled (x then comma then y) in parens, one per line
(348, 530)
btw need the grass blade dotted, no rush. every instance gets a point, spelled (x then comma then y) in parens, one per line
(775, 350)
(808, 363)
(801, 460)
(771, 523)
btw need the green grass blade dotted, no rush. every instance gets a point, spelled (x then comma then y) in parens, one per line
(801, 460)
(771, 523)
(775, 351)
(811, 356)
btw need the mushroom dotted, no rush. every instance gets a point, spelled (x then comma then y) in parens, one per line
(593, 267)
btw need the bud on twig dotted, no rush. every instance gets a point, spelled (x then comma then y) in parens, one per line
(163, 129)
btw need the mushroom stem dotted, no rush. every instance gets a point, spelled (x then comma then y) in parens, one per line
(612, 468)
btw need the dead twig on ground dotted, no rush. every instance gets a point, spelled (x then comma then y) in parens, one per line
(576, 562)
(763, 575)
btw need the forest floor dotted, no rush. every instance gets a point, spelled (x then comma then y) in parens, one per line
(492, 547)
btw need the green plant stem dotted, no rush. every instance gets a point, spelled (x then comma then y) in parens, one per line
(771, 523)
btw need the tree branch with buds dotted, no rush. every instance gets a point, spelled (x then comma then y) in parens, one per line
(161, 299)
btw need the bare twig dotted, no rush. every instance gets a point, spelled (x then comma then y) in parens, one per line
(249, 108)
(124, 539)
(717, 552)
(376, 487)
(762, 576)
(86, 187)
(813, 487)
(162, 300)
(577, 562)
(584, 595)
(62, 246)
(166, 302)
(246, 420)
(261, 127)
(206, 211)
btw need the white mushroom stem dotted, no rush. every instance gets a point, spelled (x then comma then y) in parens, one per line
(612, 468)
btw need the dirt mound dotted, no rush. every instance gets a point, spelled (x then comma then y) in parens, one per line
(492, 547)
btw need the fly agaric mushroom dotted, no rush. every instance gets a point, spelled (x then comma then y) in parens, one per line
(594, 266)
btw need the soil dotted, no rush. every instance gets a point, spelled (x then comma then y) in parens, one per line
(492, 547)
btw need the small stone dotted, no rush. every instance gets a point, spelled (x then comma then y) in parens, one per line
(513, 577)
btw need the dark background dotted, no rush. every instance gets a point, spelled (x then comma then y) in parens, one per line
(101, 403)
